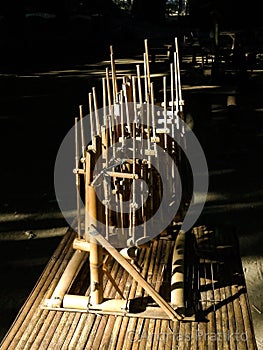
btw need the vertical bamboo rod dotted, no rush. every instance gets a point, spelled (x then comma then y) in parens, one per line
(134, 97)
(96, 258)
(176, 88)
(147, 65)
(92, 130)
(104, 100)
(178, 70)
(113, 74)
(98, 131)
(109, 98)
(124, 88)
(122, 118)
(77, 176)
(145, 78)
(165, 110)
(139, 84)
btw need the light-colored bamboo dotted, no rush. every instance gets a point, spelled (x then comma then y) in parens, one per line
(81, 244)
(96, 257)
(67, 278)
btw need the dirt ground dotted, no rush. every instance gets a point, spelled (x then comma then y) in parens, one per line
(38, 108)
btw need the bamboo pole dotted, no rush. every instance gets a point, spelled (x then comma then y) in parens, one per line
(104, 100)
(77, 177)
(147, 65)
(67, 278)
(165, 110)
(92, 130)
(96, 112)
(113, 72)
(96, 258)
(83, 143)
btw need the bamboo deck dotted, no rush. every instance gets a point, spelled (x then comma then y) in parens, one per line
(215, 291)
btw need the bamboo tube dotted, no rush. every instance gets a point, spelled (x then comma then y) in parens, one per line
(66, 279)
(108, 88)
(137, 276)
(112, 305)
(123, 175)
(146, 95)
(77, 177)
(165, 110)
(96, 259)
(104, 100)
(98, 131)
(176, 73)
(114, 79)
(139, 84)
(177, 278)
(111, 111)
(178, 70)
(81, 244)
(134, 97)
(91, 117)
(125, 92)
(88, 177)
(83, 143)
(147, 65)
(78, 302)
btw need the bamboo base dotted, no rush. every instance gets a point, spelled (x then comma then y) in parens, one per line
(215, 291)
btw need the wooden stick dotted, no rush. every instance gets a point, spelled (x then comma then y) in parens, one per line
(108, 274)
(137, 276)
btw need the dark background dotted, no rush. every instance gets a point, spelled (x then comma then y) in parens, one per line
(52, 53)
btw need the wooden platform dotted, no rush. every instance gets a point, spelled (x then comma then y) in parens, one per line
(215, 292)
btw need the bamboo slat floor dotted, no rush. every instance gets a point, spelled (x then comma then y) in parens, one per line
(215, 292)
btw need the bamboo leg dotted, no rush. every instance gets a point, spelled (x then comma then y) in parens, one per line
(96, 258)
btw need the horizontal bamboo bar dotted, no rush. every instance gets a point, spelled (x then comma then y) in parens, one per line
(123, 175)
